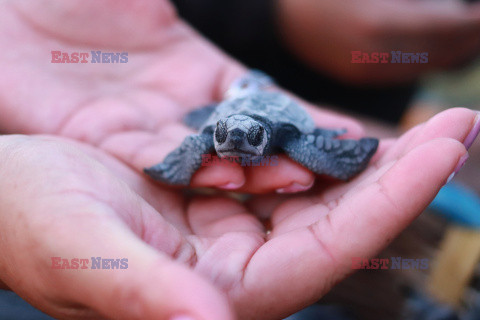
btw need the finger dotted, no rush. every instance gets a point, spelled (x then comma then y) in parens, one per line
(455, 123)
(153, 286)
(283, 176)
(221, 175)
(458, 123)
(360, 226)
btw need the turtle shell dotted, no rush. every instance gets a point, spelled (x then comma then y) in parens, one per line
(274, 106)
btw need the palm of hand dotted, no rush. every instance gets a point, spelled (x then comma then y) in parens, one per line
(217, 237)
(131, 110)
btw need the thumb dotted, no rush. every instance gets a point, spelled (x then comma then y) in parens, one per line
(151, 287)
(140, 283)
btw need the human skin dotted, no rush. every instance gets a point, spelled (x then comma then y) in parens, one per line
(324, 33)
(130, 110)
(79, 191)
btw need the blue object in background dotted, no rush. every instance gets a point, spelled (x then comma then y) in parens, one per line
(458, 204)
(13, 307)
(419, 306)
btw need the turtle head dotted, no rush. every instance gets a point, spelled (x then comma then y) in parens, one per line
(241, 136)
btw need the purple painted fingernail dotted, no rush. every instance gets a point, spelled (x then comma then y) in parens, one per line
(460, 164)
(472, 135)
(294, 188)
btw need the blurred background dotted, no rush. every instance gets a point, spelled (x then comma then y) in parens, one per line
(306, 46)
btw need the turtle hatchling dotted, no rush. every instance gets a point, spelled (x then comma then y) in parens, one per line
(259, 123)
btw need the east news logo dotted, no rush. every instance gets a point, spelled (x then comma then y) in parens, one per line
(89, 57)
(389, 263)
(85, 263)
(389, 57)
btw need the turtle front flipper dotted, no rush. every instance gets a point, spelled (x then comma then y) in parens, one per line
(180, 165)
(329, 133)
(341, 159)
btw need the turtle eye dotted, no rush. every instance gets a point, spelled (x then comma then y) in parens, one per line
(255, 135)
(221, 132)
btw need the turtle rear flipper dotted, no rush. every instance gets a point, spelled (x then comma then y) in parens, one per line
(341, 159)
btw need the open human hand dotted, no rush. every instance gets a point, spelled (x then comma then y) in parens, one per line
(202, 257)
(131, 110)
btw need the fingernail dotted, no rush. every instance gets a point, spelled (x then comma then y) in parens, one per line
(472, 135)
(182, 318)
(460, 164)
(231, 185)
(294, 187)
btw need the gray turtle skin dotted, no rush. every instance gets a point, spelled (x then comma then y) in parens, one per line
(259, 124)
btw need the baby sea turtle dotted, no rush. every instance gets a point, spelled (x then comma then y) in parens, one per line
(258, 123)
